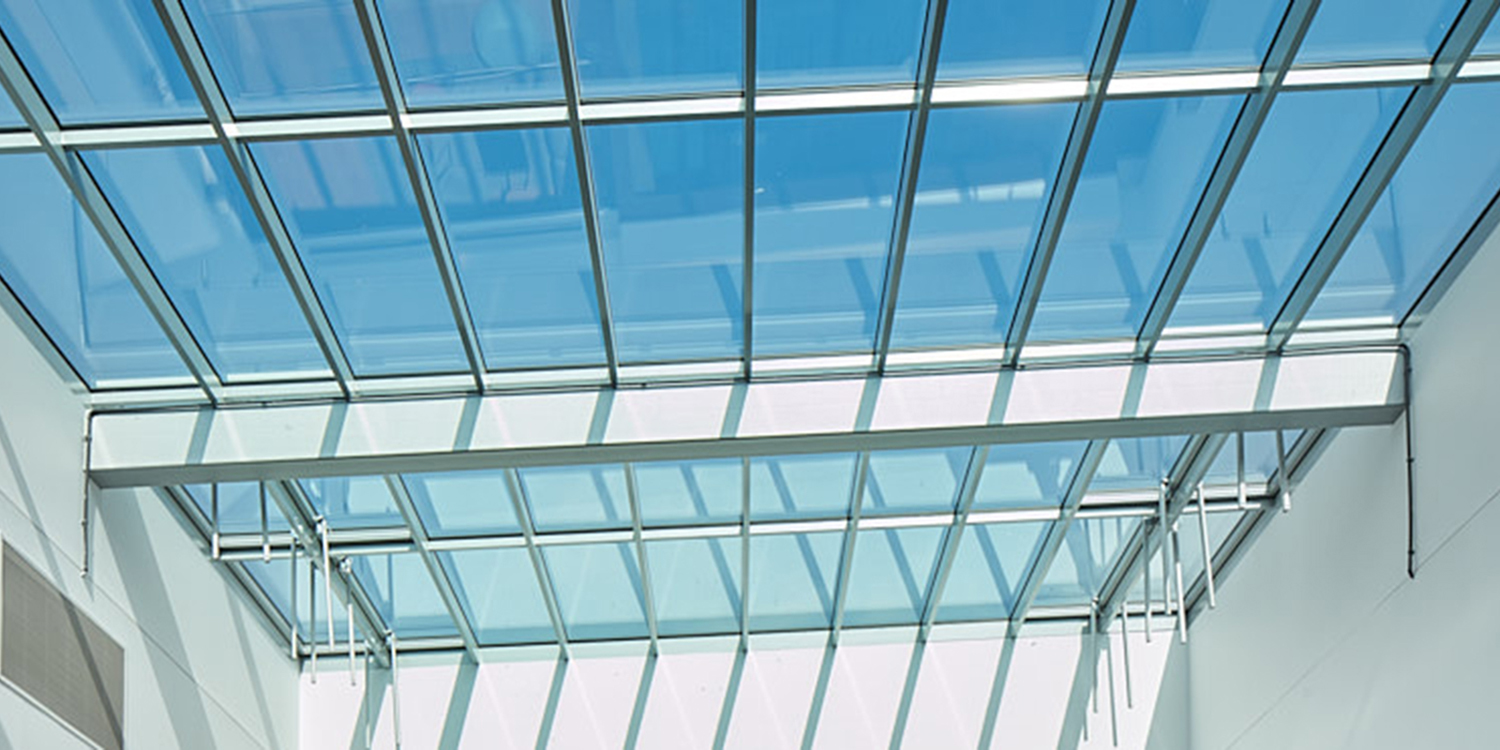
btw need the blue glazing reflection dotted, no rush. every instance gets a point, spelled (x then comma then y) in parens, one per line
(986, 174)
(1144, 172)
(657, 46)
(792, 580)
(810, 486)
(274, 57)
(10, 117)
(274, 578)
(598, 590)
(1312, 149)
(457, 52)
(1354, 30)
(837, 42)
(671, 219)
(1087, 555)
(402, 590)
(985, 39)
(201, 239)
(349, 208)
(1026, 476)
(510, 202)
(892, 575)
(56, 264)
(914, 481)
(1174, 35)
(989, 570)
(1489, 44)
(239, 507)
(1219, 527)
(695, 585)
(100, 61)
(1447, 179)
(1137, 463)
(499, 594)
(571, 498)
(463, 503)
(353, 502)
(1260, 459)
(689, 491)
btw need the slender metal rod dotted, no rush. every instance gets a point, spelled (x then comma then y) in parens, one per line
(327, 580)
(395, 692)
(1146, 572)
(292, 598)
(1125, 655)
(1181, 605)
(312, 615)
(265, 526)
(1282, 478)
(1094, 654)
(747, 293)
(632, 493)
(744, 552)
(1208, 552)
(213, 515)
(846, 558)
(1239, 463)
(1161, 530)
(1109, 658)
(349, 617)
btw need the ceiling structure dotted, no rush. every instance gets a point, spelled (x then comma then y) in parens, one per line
(585, 321)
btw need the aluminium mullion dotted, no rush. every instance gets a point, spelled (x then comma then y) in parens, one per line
(267, 215)
(91, 200)
(421, 186)
(1279, 59)
(1471, 24)
(911, 165)
(846, 556)
(522, 508)
(440, 578)
(1100, 72)
(747, 294)
(568, 64)
(967, 492)
(745, 551)
(633, 495)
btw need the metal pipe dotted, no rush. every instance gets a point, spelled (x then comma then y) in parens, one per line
(1240, 468)
(293, 598)
(350, 618)
(213, 503)
(327, 581)
(265, 526)
(1161, 527)
(395, 691)
(1208, 553)
(1125, 654)
(1281, 476)
(1094, 655)
(1146, 570)
(312, 615)
(1181, 604)
(1114, 722)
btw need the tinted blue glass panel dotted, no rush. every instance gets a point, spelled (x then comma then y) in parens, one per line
(1178, 34)
(672, 220)
(695, 584)
(1347, 30)
(1137, 463)
(689, 492)
(239, 507)
(510, 201)
(350, 211)
(274, 578)
(1260, 459)
(353, 502)
(1029, 475)
(1141, 180)
(1450, 175)
(914, 481)
(657, 46)
(811, 486)
(986, 174)
(1087, 555)
(566, 498)
(403, 592)
(1219, 527)
(1311, 151)
(9, 116)
(108, 60)
(793, 579)
(825, 185)
(500, 595)
(465, 503)
(1489, 44)
(989, 570)
(190, 219)
(837, 42)
(275, 57)
(55, 263)
(457, 52)
(891, 576)
(986, 39)
(598, 590)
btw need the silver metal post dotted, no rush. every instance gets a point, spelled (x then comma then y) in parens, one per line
(1282, 478)
(312, 615)
(1125, 654)
(265, 527)
(213, 504)
(1240, 468)
(1094, 654)
(350, 617)
(1146, 570)
(327, 581)
(1161, 527)
(1181, 605)
(1109, 656)
(1208, 553)
(295, 649)
(395, 692)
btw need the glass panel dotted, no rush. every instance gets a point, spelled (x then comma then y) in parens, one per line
(1087, 555)
(55, 263)
(985, 39)
(792, 580)
(657, 46)
(277, 57)
(696, 585)
(1260, 460)
(201, 239)
(1191, 541)
(353, 502)
(465, 503)
(986, 175)
(274, 578)
(837, 42)
(403, 593)
(1489, 44)
(569, 498)
(989, 570)
(824, 191)
(811, 486)
(891, 576)
(1141, 180)
(10, 117)
(672, 220)
(460, 52)
(1027, 476)
(510, 202)
(682, 492)
(1450, 175)
(598, 590)
(106, 60)
(1348, 30)
(914, 481)
(500, 595)
(1173, 35)
(239, 507)
(1137, 463)
(1312, 149)
(349, 208)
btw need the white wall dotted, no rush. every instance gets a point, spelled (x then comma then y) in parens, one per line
(200, 669)
(1320, 639)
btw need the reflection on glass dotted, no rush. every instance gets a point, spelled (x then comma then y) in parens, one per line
(689, 492)
(989, 570)
(695, 584)
(1145, 170)
(657, 46)
(499, 593)
(348, 206)
(1026, 476)
(1137, 463)
(458, 52)
(1355, 30)
(274, 578)
(1087, 555)
(892, 575)
(810, 486)
(276, 57)
(825, 185)
(914, 481)
(671, 219)
(1171, 34)
(571, 498)
(56, 264)
(837, 42)
(986, 39)
(1191, 541)
(510, 202)
(239, 507)
(353, 502)
(598, 590)
(463, 503)
(10, 117)
(792, 580)
(986, 175)
(1260, 459)
(402, 590)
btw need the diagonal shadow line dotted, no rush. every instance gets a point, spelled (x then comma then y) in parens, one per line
(237, 616)
(642, 697)
(997, 692)
(820, 693)
(1078, 700)
(458, 705)
(715, 549)
(731, 697)
(376, 682)
(804, 545)
(554, 697)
